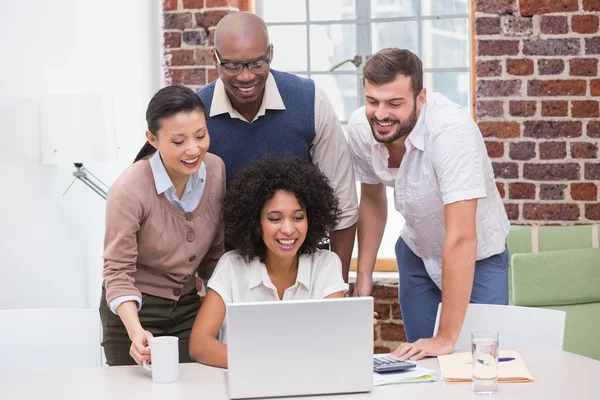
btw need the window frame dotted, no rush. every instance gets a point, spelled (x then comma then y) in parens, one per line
(363, 22)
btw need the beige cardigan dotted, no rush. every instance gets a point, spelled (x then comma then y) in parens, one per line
(152, 247)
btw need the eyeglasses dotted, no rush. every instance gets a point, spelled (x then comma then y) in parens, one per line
(233, 68)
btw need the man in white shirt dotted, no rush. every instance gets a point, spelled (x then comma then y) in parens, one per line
(452, 249)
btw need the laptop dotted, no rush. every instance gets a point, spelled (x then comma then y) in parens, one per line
(300, 347)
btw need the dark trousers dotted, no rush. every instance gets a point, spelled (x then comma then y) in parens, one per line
(159, 316)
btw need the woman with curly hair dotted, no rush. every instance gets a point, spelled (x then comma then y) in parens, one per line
(277, 211)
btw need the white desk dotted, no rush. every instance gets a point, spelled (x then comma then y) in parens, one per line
(557, 375)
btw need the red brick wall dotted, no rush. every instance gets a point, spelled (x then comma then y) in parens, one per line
(538, 105)
(389, 332)
(188, 34)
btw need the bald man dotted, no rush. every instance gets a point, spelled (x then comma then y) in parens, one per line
(253, 110)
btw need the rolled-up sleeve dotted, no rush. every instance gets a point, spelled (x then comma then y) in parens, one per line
(331, 154)
(328, 275)
(457, 154)
(358, 129)
(221, 280)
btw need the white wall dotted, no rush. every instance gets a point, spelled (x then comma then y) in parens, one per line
(50, 244)
(393, 227)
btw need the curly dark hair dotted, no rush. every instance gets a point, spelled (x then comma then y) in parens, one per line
(257, 183)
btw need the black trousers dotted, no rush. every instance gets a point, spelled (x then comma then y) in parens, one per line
(159, 316)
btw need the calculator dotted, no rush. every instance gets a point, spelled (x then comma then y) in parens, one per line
(391, 364)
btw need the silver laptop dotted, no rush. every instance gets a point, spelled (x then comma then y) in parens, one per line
(302, 347)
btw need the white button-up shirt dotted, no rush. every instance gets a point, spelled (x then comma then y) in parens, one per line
(239, 281)
(445, 161)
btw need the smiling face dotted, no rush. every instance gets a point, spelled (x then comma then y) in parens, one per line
(182, 141)
(392, 109)
(246, 88)
(284, 226)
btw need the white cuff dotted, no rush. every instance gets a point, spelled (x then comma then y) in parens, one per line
(115, 303)
(220, 290)
(463, 195)
(364, 178)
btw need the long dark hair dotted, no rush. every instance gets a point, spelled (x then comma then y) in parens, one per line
(167, 102)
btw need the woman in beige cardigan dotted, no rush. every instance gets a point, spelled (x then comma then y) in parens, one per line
(162, 230)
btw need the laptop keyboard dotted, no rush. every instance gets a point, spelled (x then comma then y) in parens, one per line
(390, 364)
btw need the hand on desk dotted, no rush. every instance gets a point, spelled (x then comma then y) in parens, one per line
(138, 350)
(433, 347)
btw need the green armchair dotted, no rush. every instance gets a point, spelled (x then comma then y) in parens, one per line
(531, 239)
(521, 238)
(566, 280)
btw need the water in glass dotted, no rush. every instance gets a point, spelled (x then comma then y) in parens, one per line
(484, 349)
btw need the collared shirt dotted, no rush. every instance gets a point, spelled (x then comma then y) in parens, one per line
(329, 150)
(445, 161)
(194, 188)
(239, 281)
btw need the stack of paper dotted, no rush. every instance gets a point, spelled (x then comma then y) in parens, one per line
(412, 375)
(457, 368)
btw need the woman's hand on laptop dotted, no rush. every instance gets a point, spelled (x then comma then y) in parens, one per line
(138, 350)
(433, 347)
(375, 315)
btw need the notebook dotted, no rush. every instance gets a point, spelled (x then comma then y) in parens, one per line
(457, 368)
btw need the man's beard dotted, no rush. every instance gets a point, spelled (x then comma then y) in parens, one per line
(404, 128)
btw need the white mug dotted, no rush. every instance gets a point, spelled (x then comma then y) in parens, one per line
(164, 351)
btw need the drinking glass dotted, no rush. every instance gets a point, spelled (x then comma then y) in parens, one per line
(484, 349)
